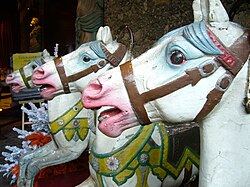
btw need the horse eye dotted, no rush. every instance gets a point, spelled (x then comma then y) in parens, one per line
(86, 59)
(34, 66)
(177, 58)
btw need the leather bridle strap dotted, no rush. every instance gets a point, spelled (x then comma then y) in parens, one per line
(62, 74)
(25, 79)
(117, 56)
(113, 59)
(138, 100)
(232, 60)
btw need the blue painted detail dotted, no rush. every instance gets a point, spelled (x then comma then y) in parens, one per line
(196, 33)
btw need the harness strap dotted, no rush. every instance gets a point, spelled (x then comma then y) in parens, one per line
(214, 96)
(91, 69)
(136, 100)
(192, 76)
(62, 74)
(25, 79)
(233, 60)
(114, 59)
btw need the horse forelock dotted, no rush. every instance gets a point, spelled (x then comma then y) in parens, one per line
(38, 61)
(96, 48)
(172, 33)
(196, 34)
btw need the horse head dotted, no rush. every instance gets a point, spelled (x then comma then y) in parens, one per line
(21, 78)
(70, 73)
(180, 79)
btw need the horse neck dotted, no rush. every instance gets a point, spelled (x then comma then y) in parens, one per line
(225, 137)
(104, 144)
(62, 103)
(231, 108)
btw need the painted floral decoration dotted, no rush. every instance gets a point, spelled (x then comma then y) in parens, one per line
(112, 163)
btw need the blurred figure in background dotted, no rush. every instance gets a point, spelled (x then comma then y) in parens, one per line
(35, 36)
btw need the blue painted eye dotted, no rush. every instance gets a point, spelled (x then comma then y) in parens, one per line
(177, 58)
(86, 59)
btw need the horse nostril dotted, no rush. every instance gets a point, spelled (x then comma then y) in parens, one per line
(38, 73)
(93, 89)
(96, 88)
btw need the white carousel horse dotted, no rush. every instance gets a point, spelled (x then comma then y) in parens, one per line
(68, 120)
(70, 139)
(140, 156)
(21, 78)
(197, 73)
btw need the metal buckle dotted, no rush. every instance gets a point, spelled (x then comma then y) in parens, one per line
(101, 64)
(221, 80)
(205, 66)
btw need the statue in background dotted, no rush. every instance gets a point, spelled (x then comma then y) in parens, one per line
(35, 36)
(89, 18)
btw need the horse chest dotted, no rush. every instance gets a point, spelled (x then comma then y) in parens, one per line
(142, 157)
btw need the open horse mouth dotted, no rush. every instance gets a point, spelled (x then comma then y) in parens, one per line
(108, 113)
(15, 87)
(46, 90)
(112, 119)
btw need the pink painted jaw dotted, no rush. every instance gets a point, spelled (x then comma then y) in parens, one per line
(15, 84)
(114, 121)
(48, 88)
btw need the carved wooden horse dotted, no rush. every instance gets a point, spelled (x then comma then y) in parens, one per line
(140, 156)
(197, 73)
(69, 140)
(69, 121)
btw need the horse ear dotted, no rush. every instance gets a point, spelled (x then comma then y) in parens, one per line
(104, 34)
(99, 33)
(212, 12)
(45, 53)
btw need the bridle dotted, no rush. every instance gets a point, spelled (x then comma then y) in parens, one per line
(114, 59)
(232, 59)
(25, 78)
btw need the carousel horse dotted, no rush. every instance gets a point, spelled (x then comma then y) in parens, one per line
(196, 73)
(21, 78)
(63, 137)
(154, 155)
(71, 125)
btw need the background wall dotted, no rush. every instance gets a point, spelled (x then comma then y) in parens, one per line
(151, 19)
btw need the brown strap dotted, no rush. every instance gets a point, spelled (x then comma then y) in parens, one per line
(62, 74)
(91, 69)
(136, 100)
(235, 56)
(215, 96)
(192, 77)
(232, 60)
(117, 56)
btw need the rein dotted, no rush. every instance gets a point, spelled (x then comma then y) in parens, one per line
(114, 59)
(232, 59)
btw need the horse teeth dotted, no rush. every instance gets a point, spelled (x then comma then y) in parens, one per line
(44, 88)
(101, 118)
